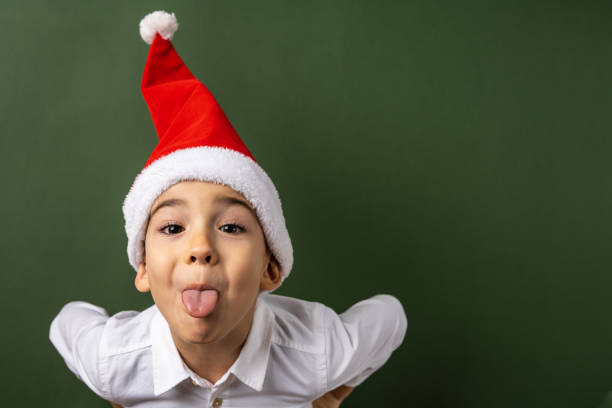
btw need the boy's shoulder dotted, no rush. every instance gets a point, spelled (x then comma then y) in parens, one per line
(127, 331)
(297, 323)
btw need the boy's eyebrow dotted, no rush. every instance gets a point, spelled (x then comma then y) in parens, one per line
(174, 202)
(171, 202)
(233, 200)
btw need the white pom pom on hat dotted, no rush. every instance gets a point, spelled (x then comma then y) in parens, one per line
(158, 22)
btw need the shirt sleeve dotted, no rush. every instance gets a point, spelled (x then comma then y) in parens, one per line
(360, 340)
(76, 333)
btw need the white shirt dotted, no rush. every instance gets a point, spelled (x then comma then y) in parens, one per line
(295, 352)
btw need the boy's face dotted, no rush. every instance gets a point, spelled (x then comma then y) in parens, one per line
(205, 262)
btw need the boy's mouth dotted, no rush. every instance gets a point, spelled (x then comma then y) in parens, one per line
(200, 301)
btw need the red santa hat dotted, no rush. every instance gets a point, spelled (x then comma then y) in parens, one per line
(196, 142)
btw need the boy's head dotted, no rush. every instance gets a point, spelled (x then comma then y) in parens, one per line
(198, 153)
(205, 256)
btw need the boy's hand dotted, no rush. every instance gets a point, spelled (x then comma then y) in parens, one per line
(333, 398)
(330, 400)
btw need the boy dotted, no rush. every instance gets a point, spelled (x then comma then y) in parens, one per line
(207, 237)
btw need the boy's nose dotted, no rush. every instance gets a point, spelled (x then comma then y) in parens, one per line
(199, 255)
(195, 258)
(200, 251)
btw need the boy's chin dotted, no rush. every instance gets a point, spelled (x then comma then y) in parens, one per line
(198, 332)
(199, 339)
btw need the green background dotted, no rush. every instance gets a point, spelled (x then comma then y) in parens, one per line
(454, 154)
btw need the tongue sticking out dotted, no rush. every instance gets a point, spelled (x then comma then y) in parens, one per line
(200, 303)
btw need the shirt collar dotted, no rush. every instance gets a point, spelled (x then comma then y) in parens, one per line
(250, 366)
(252, 363)
(168, 368)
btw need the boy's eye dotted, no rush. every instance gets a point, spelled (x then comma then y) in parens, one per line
(172, 229)
(231, 228)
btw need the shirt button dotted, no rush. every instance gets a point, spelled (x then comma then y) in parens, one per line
(217, 402)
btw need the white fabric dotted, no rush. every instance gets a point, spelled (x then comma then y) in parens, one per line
(158, 22)
(296, 351)
(217, 165)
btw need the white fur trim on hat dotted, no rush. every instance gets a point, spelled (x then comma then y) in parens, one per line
(158, 22)
(214, 164)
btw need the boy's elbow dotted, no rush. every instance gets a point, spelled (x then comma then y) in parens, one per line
(70, 320)
(394, 311)
(60, 326)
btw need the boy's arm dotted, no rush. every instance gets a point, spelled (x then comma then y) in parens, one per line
(76, 333)
(360, 340)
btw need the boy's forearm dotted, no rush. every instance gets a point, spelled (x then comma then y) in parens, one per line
(333, 398)
(342, 392)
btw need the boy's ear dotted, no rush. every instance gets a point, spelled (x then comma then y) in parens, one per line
(141, 281)
(271, 278)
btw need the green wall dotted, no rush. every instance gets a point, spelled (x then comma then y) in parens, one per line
(454, 154)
